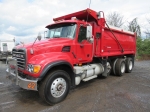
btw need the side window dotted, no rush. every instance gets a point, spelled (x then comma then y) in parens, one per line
(82, 34)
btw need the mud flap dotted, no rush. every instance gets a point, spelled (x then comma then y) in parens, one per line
(104, 62)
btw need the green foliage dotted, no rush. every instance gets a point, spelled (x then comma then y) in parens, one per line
(143, 48)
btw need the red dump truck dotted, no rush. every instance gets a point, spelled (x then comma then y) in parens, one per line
(78, 47)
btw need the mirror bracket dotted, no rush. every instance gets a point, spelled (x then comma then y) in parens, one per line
(39, 36)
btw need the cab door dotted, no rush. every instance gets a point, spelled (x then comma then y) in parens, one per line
(84, 49)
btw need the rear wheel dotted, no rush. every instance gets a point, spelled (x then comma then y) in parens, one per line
(120, 67)
(108, 68)
(55, 87)
(129, 65)
(113, 63)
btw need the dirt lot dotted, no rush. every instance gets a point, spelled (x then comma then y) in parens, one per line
(129, 93)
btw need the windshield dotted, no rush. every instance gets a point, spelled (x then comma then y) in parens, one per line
(65, 30)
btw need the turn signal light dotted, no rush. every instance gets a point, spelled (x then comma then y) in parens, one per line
(36, 68)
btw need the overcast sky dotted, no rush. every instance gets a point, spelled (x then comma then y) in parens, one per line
(24, 19)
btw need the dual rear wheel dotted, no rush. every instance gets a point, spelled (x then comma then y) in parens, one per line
(120, 66)
(129, 65)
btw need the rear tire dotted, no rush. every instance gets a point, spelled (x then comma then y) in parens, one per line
(113, 63)
(55, 87)
(109, 68)
(129, 65)
(120, 67)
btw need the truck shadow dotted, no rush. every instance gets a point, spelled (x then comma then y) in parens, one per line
(89, 83)
(32, 97)
(24, 97)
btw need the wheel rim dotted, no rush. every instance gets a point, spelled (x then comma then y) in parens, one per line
(130, 65)
(58, 87)
(122, 67)
(108, 67)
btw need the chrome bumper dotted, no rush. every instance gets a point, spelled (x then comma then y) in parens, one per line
(22, 82)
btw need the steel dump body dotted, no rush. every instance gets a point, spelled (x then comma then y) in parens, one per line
(121, 44)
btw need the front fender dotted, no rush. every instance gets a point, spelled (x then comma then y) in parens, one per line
(48, 60)
(53, 64)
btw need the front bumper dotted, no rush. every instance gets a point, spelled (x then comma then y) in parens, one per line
(22, 82)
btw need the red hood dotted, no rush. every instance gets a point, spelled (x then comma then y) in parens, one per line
(46, 43)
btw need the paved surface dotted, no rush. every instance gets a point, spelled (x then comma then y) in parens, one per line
(129, 93)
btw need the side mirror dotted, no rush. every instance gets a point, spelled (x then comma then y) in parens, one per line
(39, 36)
(45, 33)
(89, 32)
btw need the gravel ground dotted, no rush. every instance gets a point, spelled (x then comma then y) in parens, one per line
(129, 93)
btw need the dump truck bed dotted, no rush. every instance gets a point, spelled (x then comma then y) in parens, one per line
(115, 42)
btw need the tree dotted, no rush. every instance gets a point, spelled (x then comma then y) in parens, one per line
(147, 32)
(115, 19)
(134, 27)
(143, 48)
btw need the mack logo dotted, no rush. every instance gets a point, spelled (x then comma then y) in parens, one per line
(18, 55)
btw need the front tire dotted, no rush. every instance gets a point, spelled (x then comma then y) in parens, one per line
(55, 87)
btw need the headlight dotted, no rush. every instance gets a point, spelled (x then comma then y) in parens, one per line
(33, 68)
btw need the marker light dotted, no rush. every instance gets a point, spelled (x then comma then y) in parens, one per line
(31, 51)
(73, 18)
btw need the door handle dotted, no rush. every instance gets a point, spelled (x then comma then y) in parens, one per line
(81, 45)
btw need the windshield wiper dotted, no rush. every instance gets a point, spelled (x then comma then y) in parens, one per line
(56, 37)
(47, 37)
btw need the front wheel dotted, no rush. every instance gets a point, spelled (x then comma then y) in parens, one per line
(55, 87)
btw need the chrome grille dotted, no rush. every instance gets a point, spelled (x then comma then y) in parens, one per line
(20, 55)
